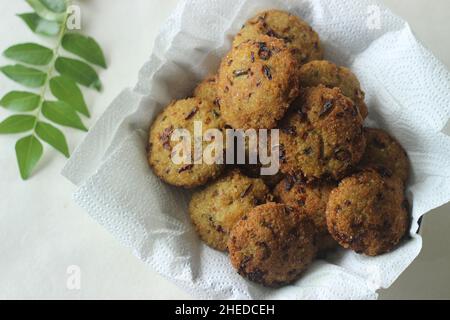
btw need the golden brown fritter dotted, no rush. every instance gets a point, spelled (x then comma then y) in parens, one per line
(300, 38)
(272, 245)
(216, 209)
(322, 136)
(207, 89)
(383, 150)
(181, 115)
(313, 199)
(330, 75)
(368, 213)
(256, 83)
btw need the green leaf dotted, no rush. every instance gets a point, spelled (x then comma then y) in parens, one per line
(29, 77)
(53, 137)
(58, 6)
(17, 123)
(30, 53)
(63, 114)
(39, 25)
(66, 90)
(78, 71)
(84, 47)
(20, 101)
(44, 12)
(28, 151)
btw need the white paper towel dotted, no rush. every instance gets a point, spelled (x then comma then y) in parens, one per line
(408, 94)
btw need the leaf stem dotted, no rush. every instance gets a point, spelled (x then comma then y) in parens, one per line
(50, 70)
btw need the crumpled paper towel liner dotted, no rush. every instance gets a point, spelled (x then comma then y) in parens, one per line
(408, 94)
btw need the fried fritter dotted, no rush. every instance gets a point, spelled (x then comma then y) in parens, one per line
(368, 213)
(300, 38)
(207, 89)
(256, 83)
(383, 150)
(313, 199)
(181, 114)
(273, 244)
(216, 209)
(330, 75)
(322, 136)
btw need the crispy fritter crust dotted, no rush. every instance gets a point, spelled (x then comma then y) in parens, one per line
(207, 90)
(273, 244)
(368, 213)
(383, 150)
(330, 75)
(322, 137)
(181, 115)
(216, 209)
(256, 83)
(300, 38)
(313, 199)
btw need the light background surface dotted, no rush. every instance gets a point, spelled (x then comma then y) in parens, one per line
(42, 232)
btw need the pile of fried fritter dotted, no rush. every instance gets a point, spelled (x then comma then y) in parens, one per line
(340, 184)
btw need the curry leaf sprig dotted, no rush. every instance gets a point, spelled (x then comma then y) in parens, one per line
(43, 71)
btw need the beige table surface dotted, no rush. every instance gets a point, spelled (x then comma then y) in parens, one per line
(42, 232)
